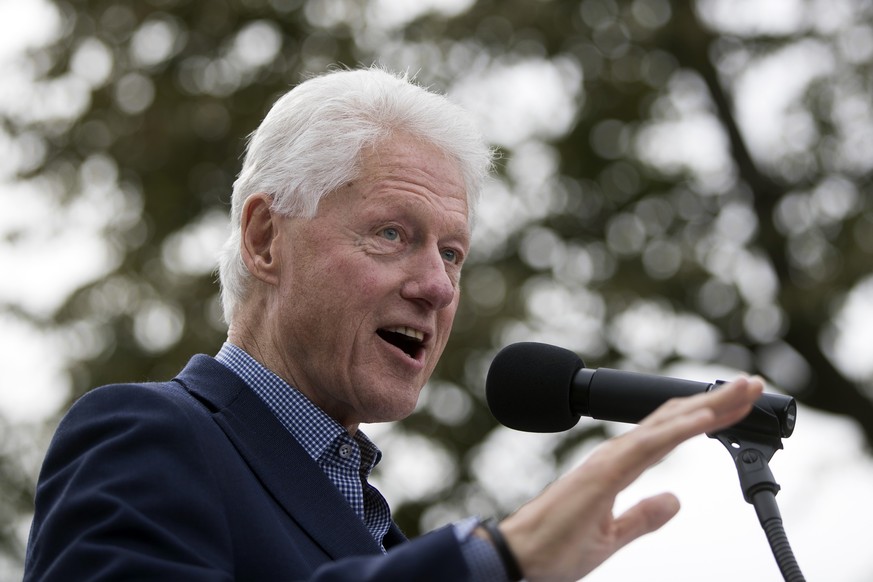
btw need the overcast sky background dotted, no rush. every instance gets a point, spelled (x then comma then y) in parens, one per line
(826, 477)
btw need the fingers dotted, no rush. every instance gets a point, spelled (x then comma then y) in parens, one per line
(732, 407)
(726, 404)
(627, 456)
(662, 431)
(645, 517)
(569, 529)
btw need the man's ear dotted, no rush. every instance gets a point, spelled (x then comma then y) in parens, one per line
(258, 229)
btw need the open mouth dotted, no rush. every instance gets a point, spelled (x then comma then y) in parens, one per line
(406, 338)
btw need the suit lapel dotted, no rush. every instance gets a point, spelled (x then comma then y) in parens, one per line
(281, 464)
(394, 537)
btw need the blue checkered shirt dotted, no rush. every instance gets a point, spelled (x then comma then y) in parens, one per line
(346, 460)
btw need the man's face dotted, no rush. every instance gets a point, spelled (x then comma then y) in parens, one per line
(368, 289)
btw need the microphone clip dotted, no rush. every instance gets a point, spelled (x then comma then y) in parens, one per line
(752, 452)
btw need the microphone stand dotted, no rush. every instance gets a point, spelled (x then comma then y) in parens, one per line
(751, 453)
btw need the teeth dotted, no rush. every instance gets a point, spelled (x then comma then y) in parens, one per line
(408, 332)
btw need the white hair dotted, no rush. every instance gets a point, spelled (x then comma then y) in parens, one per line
(310, 144)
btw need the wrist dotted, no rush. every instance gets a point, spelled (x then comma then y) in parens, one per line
(490, 530)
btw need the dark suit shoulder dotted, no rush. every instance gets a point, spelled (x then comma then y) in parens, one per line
(129, 466)
(202, 376)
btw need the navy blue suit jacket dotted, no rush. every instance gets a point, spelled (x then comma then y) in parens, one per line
(195, 479)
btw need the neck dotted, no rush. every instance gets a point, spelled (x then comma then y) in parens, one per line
(243, 336)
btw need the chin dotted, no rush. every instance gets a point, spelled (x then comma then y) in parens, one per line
(393, 410)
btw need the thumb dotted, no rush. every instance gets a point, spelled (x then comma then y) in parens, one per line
(645, 517)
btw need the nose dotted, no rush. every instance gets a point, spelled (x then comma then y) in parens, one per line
(429, 282)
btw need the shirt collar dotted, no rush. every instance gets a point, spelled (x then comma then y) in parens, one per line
(307, 423)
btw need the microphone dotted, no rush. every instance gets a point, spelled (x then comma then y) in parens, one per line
(537, 387)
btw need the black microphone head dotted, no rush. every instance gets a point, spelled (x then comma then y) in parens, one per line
(528, 387)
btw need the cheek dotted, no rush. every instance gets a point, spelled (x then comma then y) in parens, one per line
(446, 319)
(346, 278)
(370, 278)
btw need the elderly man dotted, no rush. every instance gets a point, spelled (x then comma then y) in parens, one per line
(340, 281)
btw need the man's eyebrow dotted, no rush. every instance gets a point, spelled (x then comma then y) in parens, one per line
(462, 233)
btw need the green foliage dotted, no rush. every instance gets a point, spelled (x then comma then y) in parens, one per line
(740, 258)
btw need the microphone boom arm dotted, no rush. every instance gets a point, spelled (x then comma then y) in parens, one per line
(751, 452)
(541, 388)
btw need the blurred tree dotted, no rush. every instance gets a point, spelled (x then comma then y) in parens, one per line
(661, 199)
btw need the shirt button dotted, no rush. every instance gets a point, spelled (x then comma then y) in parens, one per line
(345, 451)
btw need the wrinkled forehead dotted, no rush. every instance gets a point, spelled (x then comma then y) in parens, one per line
(407, 163)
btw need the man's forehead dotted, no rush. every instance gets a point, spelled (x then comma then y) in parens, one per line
(405, 152)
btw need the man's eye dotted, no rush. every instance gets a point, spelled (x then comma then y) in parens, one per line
(390, 233)
(451, 255)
